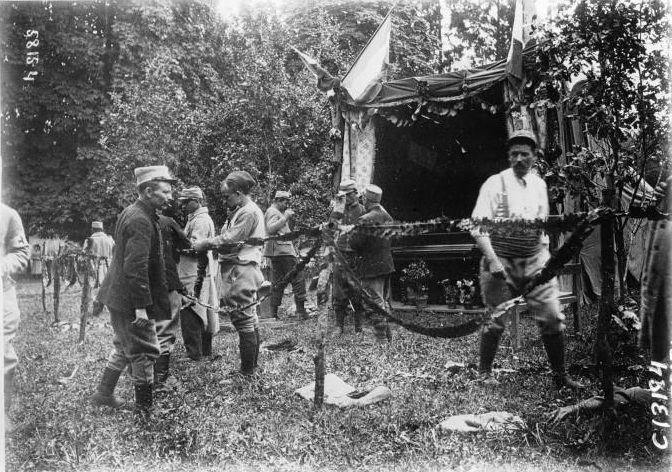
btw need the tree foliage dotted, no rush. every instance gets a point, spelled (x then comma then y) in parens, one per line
(123, 84)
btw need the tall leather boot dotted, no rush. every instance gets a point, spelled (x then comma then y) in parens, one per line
(555, 349)
(144, 399)
(301, 309)
(488, 349)
(359, 319)
(256, 352)
(206, 344)
(339, 312)
(161, 370)
(10, 427)
(104, 395)
(192, 332)
(248, 350)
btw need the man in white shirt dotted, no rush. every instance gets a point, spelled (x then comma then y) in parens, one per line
(510, 260)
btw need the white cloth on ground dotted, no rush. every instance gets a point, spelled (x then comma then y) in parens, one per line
(336, 393)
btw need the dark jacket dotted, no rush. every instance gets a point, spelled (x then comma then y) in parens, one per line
(374, 255)
(350, 217)
(174, 240)
(137, 276)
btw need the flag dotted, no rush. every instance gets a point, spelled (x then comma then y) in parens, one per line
(364, 78)
(325, 81)
(524, 19)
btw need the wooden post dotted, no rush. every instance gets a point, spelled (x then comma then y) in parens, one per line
(86, 296)
(319, 373)
(56, 278)
(45, 278)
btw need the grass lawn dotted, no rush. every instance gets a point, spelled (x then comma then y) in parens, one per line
(262, 425)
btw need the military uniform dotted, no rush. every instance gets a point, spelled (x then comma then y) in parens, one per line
(374, 260)
(283, 258)
(342, 292)
(14, 256)
(198, 323)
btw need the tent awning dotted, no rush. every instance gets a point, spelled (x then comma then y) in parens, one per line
(452, 86)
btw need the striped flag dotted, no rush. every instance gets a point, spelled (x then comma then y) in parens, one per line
(325, 81)
(364, 78)
(525, 17)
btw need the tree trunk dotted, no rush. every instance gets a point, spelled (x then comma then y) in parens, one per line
(602, 348)
(622, 259)
(86, 297)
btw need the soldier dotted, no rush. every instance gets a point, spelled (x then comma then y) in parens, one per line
(198, 323)
(135, 291)
(239, 263)
(375, 264)
(511, 260)
(101, 247)
(283, 255)
(342, 293)
(14, 254)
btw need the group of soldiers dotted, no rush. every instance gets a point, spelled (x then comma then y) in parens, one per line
(162, 275)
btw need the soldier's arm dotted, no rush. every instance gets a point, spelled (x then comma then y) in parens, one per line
(274, 222)
(18, 249)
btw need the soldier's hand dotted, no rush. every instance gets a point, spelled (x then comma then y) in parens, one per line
(497, 269)
(141, 318)
(200, 245)
(289, 212)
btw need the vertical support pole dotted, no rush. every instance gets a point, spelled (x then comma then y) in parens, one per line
(319, 373)
(86, 296)
(56, 278)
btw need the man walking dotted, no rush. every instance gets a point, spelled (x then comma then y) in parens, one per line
(342, 293)
(375, 263)
(283, 255)
(14, 256)
(239, 264)
(101, 247)
(135, 291)
(198, 323)
(511, 260)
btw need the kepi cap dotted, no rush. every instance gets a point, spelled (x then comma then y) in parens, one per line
(522, 136)
(153, 174)
(373, 193)
(191, 193)
(96, 224)
(347, 186)
(282, 194)
(242, 179)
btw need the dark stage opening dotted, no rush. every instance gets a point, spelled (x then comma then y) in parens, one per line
(434, 169)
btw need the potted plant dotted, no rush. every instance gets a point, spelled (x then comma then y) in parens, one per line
(467, 288)
(415, 279)
(450, 292)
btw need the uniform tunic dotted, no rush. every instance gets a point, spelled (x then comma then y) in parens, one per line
(240, 275)
(200, 226)
(101, 246)
(14, 255)
(283, 257)
(136, 279)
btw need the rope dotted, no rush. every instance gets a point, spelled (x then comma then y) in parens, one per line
(505, 226)
(571, 246)
(281, 283)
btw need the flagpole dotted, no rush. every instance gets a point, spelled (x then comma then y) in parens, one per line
(370, 38)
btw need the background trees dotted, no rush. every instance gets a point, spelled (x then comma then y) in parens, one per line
(128, 83)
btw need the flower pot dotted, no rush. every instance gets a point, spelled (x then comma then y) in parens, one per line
(421, 301)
